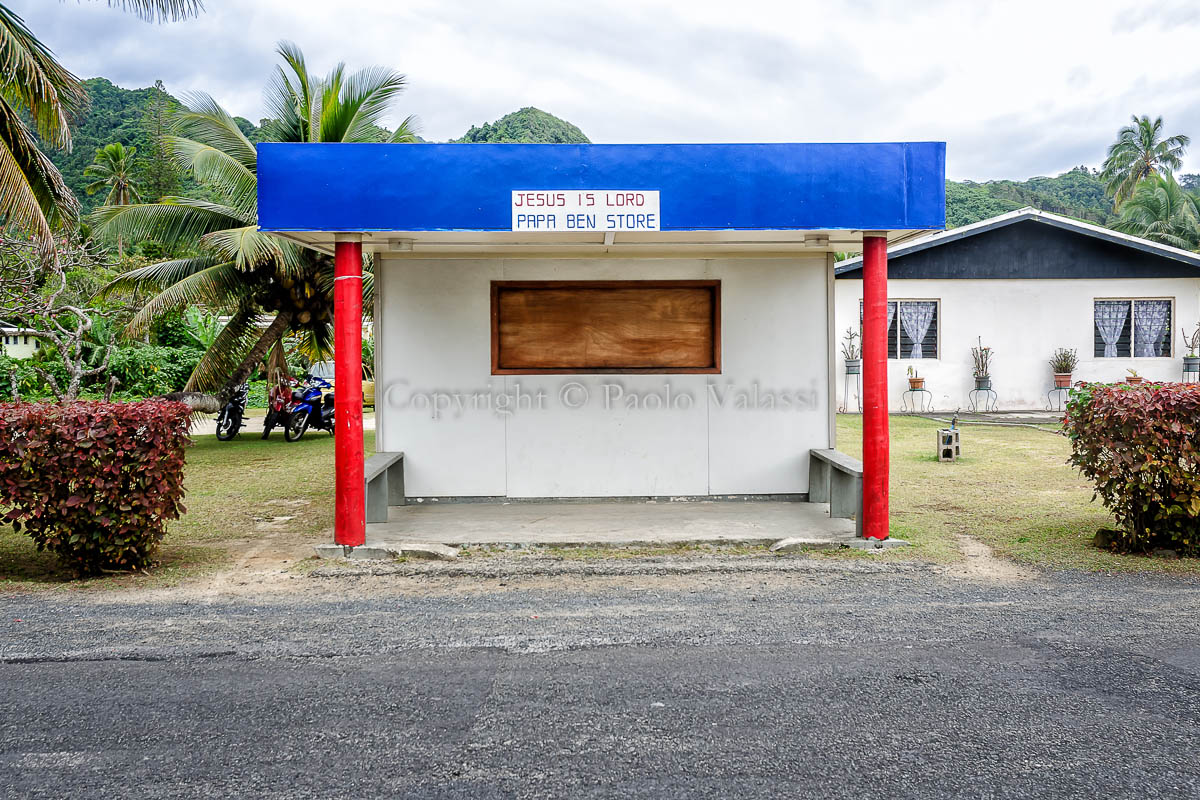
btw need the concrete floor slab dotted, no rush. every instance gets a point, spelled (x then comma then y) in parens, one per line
(610, 524)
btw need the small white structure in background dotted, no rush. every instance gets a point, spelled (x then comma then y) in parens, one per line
(19, 342)
(1025, 284)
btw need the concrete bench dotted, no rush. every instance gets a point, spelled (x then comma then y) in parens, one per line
(836, 478)
(384, 476)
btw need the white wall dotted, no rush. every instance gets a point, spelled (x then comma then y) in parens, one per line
(434, 336)
(1024, 321)
(18, 345)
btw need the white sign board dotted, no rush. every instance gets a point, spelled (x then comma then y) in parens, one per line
(585, 210)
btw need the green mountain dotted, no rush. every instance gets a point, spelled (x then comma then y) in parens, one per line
(131, 117)
(527, 125)
(1078, 193)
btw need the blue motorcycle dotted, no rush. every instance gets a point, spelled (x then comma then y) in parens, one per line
(311, 407)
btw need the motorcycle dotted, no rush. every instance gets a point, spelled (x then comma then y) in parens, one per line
(231, 418)
(278, 398)
(310, 407)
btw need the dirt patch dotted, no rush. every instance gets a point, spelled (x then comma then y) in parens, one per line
(979, 563)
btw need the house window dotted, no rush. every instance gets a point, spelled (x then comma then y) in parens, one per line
(601, 327)
(1133, 328)
(912, 327)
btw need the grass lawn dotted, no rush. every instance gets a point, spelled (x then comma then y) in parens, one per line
(1012, 490)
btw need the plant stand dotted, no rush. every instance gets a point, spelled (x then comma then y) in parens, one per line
(1056, 398)
(857, 384)
(914, 400)
(948, 447)
(988, 397)
(1191, 375)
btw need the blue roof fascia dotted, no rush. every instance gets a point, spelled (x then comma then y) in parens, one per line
(467, 187)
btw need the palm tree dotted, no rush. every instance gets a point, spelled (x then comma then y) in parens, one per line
(237, 267)
(1140, 152)
(33, 196)
(1161, 211)
(111, 169)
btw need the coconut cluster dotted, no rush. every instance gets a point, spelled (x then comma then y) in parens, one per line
(301, 296)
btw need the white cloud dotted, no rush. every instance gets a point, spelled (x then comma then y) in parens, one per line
(1017, 89)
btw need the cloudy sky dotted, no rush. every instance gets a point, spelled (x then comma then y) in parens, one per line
(1016, 88)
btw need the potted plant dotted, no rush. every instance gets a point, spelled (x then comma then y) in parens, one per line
(1063, 363)
(852, 352)
(982, 356)
(1191, 360)
(1133, 377)
(915, 381)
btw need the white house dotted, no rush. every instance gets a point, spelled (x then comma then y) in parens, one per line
(1025, 284)
(19, 342)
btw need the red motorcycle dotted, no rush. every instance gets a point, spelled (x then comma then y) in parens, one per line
(278, 398)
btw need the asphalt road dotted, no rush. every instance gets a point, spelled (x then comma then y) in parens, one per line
(893, 685)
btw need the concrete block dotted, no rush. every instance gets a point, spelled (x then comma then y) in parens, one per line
(387, 551)
(876, 545)
(366, 552)
(795, 544)
(427, 550)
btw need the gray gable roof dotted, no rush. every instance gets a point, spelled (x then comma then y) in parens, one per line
(852, 265)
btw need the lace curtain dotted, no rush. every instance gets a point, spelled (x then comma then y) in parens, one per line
(1150, 321)
(1110, 321)
(916, 317)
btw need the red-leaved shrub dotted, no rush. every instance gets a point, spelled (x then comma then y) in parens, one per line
(1141, 447)
(96, 483)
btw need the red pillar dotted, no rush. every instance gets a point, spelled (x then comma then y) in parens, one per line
(350, 523)
(875, 391)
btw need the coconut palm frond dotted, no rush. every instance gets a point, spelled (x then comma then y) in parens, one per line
(220, 171)
(363, 98)
(160, 10)
(408, 131)
(207, 122)
(287, 110)
(1161, 211)
(33, 81)
(316, 342)
(288, 97)
(249, 247)
(216, 286)
(33, 195)
(226, 352)
(174, 221)
(158, 276)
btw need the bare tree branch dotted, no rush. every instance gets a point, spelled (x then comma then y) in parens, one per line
(32, 287)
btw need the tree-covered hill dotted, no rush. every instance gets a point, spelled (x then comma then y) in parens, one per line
(131, 117)
(527, 125)
(1078, 193)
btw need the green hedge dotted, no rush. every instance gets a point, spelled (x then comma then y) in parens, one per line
(143, 371)
(151, 370)
(1140, 445)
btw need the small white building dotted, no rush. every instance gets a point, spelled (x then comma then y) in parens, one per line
(1025, 284)
(19, 342)
(601, 321)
